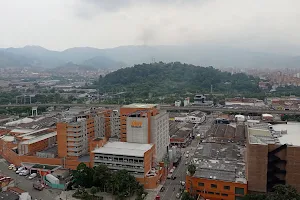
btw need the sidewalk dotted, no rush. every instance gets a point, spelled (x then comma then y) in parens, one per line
(153, 193)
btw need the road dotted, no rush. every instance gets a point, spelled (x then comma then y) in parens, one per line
(169, 108)
(26, 185)
(180, 171)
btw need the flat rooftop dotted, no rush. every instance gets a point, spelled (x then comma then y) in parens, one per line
(124, 148)
(34, 133)
(17, 130)
(260, 136)
(39, 138)
(292, 137)
(223, 162)
(140, 105)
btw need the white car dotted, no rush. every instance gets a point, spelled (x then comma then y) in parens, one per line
(178, 195)
(24, 173)
(19, 170)
(32, 176)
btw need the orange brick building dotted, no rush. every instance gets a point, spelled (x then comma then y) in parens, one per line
(220, 172)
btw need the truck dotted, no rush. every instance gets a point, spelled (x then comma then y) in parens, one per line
(52, 179)
(38, 186)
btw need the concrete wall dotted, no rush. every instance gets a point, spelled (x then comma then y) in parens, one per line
(160, 134)
(257, 167)
(137, 134)
(293, 167)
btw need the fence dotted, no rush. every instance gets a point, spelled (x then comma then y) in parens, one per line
(55, 186)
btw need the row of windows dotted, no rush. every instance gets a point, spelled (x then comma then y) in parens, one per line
(216, 193)
(237, 189)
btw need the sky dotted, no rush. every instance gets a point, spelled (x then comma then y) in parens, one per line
(258, 25)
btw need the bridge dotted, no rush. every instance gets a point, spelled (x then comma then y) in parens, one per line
(166, 107)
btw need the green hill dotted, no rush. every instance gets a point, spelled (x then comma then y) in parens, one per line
(169, 78)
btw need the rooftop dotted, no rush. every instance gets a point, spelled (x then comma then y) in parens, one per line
(292, 136)
(260, 136)
(220, 162)
(139, 105)
(21, 130)
(39, 138)
(7, 138)
(34, 133)
(124, 148)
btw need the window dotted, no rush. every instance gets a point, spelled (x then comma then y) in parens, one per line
(210, 193)
(200, 184)
(225, 195)
(226, 187)
(213, 186)
(239, 191)
(217, 193)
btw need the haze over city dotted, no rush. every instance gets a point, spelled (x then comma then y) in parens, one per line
(261, 26)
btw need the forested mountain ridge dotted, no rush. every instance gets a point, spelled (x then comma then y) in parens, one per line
(175, 77)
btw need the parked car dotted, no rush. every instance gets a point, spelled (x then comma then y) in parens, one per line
(24, 173)
(19, 170)
(178, 195)
(38, 185)
(11, 166)
(32, 176)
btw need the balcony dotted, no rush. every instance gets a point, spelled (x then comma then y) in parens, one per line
(75, 134)
(141, 164)
(74, 129)
(75, 144)
(128, 168)
(75, 149)
(74, 154)
(74, 139)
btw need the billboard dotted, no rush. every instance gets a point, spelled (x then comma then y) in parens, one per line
(137, 129)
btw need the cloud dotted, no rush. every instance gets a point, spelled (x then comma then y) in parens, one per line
(270, 25)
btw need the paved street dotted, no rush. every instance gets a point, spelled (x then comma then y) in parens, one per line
(25, 184)
(180, 171)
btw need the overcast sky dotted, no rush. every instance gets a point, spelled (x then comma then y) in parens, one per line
(59, 24)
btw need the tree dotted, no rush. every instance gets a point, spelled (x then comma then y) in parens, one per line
(186, 196)
(285, 192)
(123, 184)
(280, 192)
(83, 175)
(101, 176)
(192, 169)
(94, 190)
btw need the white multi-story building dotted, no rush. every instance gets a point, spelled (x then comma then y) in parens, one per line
(160, 134)
(145, 128)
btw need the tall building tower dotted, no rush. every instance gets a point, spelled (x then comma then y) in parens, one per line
(145, 124)
(74, 135)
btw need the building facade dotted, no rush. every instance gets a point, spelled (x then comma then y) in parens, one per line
(146, 124)
(135, 158)
(272, 158)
